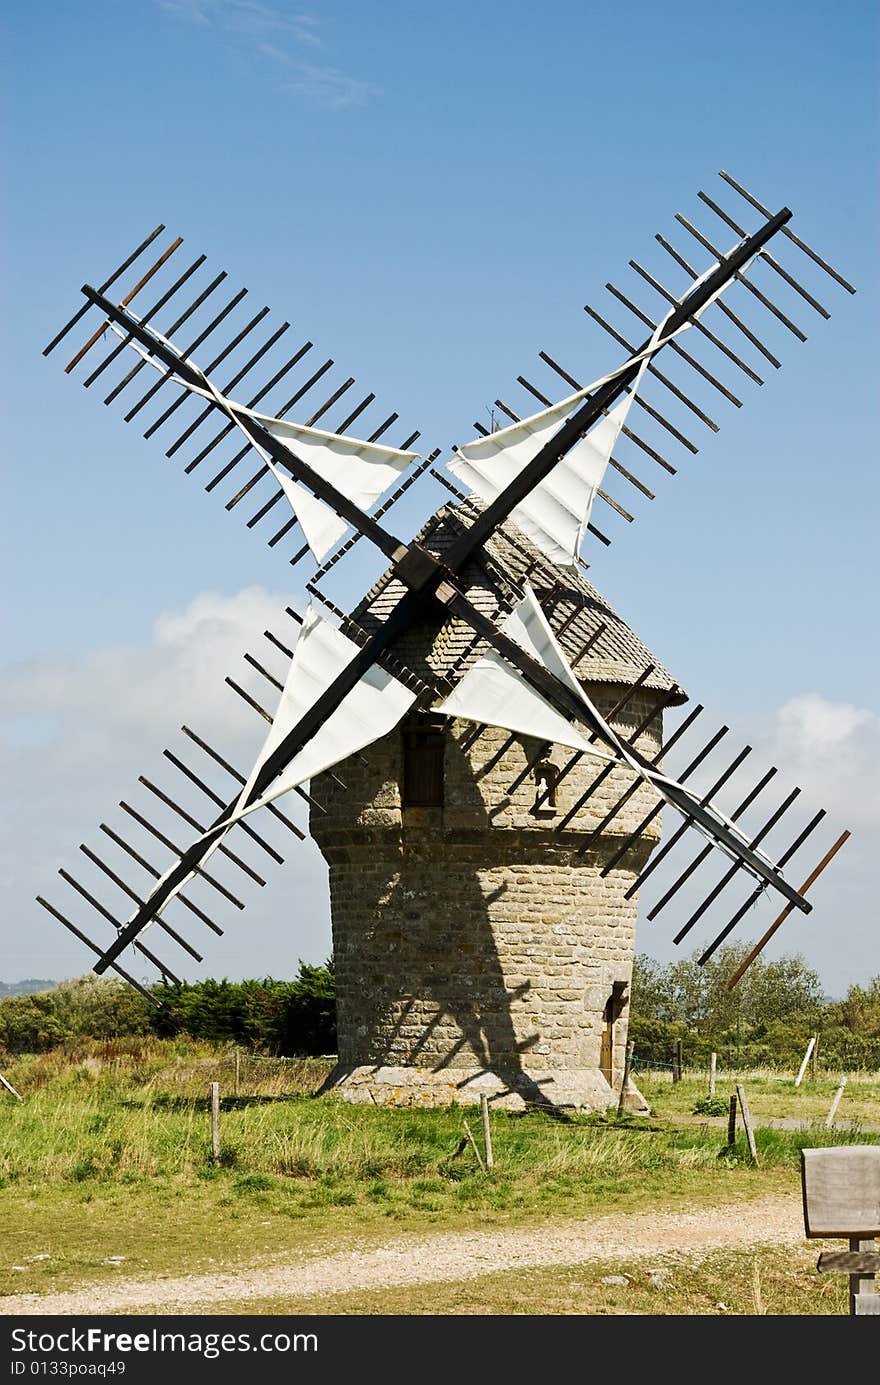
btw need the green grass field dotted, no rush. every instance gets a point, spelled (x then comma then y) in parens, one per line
(106, 1169)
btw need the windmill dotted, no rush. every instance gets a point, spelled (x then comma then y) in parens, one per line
(486, 743)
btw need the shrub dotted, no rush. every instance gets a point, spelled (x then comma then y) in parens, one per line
(291, 1018)
(100, 1007)
(310, 1015)
(29, 1024)
(710, 1106)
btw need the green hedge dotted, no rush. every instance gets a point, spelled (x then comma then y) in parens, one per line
(289, 1018)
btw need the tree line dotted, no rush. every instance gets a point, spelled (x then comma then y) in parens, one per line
(268, 1016)
(765, 1020)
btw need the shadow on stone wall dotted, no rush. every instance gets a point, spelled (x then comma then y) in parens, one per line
(420, 980)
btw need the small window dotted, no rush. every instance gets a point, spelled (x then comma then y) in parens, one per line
(424, 739)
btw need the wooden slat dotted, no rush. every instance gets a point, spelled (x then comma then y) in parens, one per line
(187, 351)
(780, 919)
(849, 1261)
(145, 279)
(817, 259)
(104, 287)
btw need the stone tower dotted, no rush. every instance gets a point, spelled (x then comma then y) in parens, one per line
(481, 943)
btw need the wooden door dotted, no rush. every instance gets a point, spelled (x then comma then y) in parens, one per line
(606, 1051)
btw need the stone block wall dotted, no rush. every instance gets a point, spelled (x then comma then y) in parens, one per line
(474, 944)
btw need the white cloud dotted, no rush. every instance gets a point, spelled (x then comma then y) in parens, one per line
(832, 750)
(75, 734)
(193, 11)
(89, 704)
(329, 89)
(246, 17)
(812, 725)
(278, 38)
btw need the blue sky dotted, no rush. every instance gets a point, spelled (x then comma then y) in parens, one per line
(431, 194)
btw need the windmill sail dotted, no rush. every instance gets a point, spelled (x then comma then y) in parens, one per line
(544, 473)
(556, 513)
(373, 708)
(362, 471)
(359, 469)
(494, 693)
(321, 526)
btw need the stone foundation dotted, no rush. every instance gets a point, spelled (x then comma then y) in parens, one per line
(582, 1089)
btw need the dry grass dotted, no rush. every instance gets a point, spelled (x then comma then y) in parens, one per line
(182, 1066)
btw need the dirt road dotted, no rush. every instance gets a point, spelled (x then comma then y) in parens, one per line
(446, 1256)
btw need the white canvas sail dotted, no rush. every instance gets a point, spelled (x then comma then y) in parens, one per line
(362, 471)
(321, 526)
(556, 512)
(370, 710)
(373, 708)
(494, 692)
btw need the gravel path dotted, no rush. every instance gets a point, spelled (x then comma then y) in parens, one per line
(446, 1256)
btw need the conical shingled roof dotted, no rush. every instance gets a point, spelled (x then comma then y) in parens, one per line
(493, 582)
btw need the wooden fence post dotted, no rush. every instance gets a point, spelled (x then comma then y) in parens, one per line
(215, 1122)
(810, 1047)
(713, 1062)
(487, 1134)
(676, 1061)
(731, 1121)
(863, 1297)
(467, 1131)
(747, 1122)
(237, 1070)
(829, 1119)
(624, 1081)
(9, 1087)
(814, 1058)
